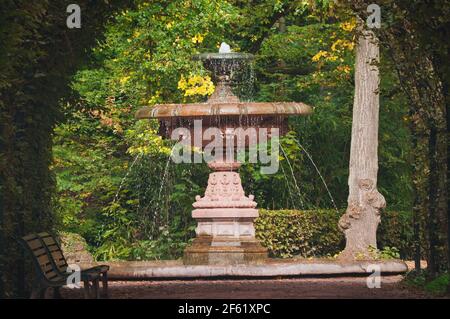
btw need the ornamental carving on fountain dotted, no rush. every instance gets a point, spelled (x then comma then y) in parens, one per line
(224, 190)
(224, 215)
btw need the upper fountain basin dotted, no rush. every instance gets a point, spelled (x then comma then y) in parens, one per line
(221, 56)
(223, 66)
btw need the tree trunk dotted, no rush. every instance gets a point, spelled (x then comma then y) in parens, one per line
(416, 204)
(432, 193)
(360, 221)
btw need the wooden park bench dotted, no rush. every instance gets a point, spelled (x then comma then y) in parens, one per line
(52, 268)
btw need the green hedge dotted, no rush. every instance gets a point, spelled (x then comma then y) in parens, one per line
(314, 233)
(396, 230)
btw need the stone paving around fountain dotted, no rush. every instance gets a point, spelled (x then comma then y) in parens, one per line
(292, 288)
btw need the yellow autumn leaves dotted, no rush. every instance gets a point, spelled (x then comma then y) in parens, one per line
(198, 38)
(321, 54)
(337, 47)
(344, 68)
(123, 80)
(145, 139)
(196, 85)
(348, 25)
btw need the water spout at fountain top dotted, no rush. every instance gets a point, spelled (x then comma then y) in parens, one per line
(224, 48)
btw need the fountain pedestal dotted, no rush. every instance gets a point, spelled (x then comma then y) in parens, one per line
(225, 231)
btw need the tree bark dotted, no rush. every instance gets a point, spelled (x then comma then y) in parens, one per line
(432, 193)
(360, 221)
(417, 201)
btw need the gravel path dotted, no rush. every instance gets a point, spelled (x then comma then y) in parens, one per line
(338, 287)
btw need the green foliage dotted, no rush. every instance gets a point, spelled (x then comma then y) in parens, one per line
(396, 230)
(385, 253)
(314, 233)
(389, 253)
(115, 186)
(38, 57)
(439, 285)
(436, 286)
(286, 72)
(311, 233)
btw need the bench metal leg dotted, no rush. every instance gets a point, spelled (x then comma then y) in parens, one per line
(96, 290)
(91, 289)
(38, 292)
(86, 289)
(35, 293)
(56, 293)
(105, 285)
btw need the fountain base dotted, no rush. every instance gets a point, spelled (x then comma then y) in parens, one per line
(209, 250)
(225, 231)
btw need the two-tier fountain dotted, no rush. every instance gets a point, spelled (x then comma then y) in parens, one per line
(224, 215)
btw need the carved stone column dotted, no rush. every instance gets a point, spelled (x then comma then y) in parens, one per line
(225, 231)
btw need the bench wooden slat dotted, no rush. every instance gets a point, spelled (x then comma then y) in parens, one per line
(35, 244)
(60, 261)
(53, 248)
(43, 260)
(39, 252)
(55, 251)
(51, 265)
(29, 237)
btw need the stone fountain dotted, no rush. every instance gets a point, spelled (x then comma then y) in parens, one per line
(225, 245)
(225, 234)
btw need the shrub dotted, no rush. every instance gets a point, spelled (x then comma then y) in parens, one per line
(286, 233)
(396, 230)
(420, 279)
(314, 233)
(439, 285)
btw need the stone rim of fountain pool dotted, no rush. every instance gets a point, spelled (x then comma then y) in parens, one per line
(296, 267)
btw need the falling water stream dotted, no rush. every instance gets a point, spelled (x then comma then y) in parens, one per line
(320, 175)
(116, 196)
(293, 176)
(289, 187)
(158, 207)
(165, 173)
(166, 168)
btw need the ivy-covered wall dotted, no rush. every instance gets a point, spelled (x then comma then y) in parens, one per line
(37, 57)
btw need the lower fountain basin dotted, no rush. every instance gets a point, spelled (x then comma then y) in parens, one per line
(251, 118)
(224, 109)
